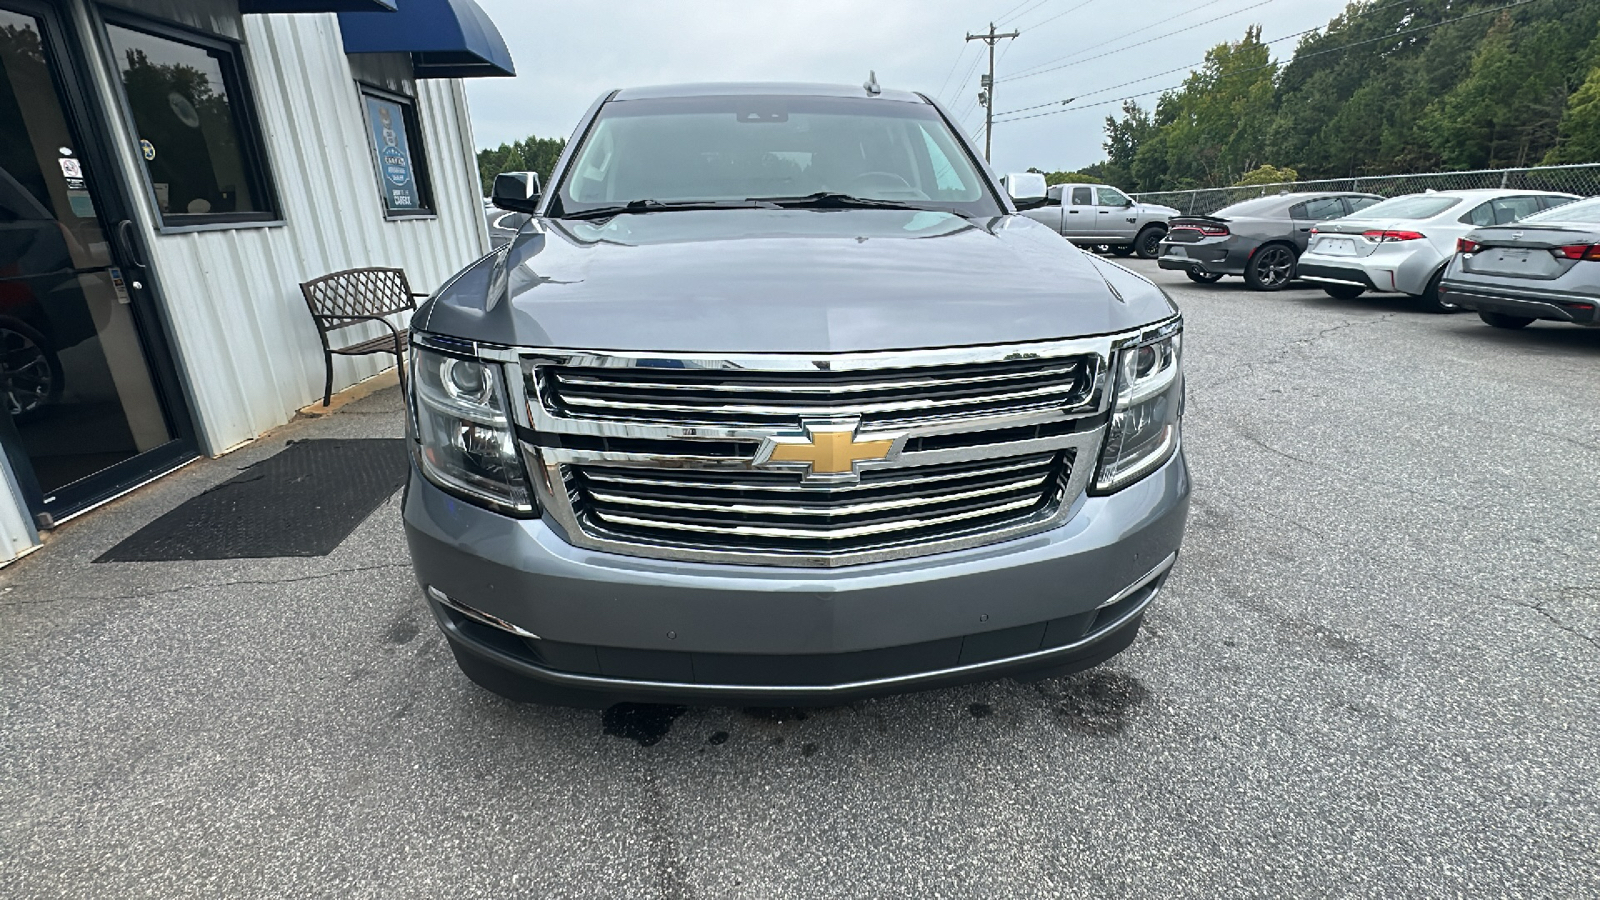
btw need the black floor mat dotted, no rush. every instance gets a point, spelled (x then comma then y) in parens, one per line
(302, 502)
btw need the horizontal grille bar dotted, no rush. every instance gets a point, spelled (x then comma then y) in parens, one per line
(734, 397)
(775, 513)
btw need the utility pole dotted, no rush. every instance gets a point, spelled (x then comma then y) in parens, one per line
(986, 95)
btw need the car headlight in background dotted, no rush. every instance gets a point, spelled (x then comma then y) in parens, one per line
(1146, 415)
(466, 442)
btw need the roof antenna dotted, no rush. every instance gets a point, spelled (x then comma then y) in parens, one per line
(871, 85)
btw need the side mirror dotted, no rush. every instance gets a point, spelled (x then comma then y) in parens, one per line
(1027, 189)
(516, 192)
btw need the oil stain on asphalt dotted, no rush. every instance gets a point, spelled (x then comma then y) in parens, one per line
(1099, 701)
(644, 723)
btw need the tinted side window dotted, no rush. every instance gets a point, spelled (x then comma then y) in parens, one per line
(1357, 204)
(1318, 209)
(187, 101)
(1552, 202)
(1510, 209)
(1052, 196)
(1482, 214)
(1082, 196)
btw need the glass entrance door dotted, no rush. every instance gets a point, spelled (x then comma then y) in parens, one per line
(76, 380)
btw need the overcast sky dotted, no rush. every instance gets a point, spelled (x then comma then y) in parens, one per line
(567, 54)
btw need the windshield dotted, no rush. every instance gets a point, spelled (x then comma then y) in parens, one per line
(1416, 206)
(1581, 212)
(737, 148)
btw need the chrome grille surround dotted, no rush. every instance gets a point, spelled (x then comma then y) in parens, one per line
(561, 448)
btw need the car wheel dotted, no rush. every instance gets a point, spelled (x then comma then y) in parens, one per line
(1121, 249)
(1344, 291)
(1430, 300)
(1271, 269)
(1201, 276)
(1148, 243)
(31, 376)
(1501, 320)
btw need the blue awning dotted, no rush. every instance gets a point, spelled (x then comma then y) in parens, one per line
(446, 38)
(300, 6)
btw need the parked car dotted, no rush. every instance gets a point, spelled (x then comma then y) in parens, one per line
(777, 400)
(1091, 214)
(503, 225)
(1260, 238)
(1404, 244)
(1536, 268)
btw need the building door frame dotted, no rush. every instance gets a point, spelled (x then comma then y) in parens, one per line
(70, 54)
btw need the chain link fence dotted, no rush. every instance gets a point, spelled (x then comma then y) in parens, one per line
(1583, 180)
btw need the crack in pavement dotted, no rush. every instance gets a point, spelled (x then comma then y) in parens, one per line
(1281, 353)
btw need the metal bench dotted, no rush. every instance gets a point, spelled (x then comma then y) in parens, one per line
(354, 296)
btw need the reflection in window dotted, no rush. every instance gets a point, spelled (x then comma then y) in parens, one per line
(190, 133)
(1112, 197)
(1082, 196)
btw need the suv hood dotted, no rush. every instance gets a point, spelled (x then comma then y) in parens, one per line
(757, 281)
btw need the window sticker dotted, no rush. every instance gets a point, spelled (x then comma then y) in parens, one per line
(395, 172)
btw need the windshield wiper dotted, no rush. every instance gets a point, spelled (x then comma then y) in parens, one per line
(834, 200)
(646, 206)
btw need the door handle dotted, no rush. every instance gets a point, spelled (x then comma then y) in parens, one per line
(1072, 211)
(124, 233)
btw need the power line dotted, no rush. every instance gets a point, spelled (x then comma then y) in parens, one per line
(1029, 9)
(1002, 16)
(953, 66)
(973, 102)
(1079, 62)
(1386, 37)
(1077, 53)
(1059, 15)
(1277, 40)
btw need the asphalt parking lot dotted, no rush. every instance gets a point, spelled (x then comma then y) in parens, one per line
(1375, 673)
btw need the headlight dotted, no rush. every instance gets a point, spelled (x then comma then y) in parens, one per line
(467, 445)
(1146, 417)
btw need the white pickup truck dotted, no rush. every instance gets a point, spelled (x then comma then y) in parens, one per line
(1093, 214)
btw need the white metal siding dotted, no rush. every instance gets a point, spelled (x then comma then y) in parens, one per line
(246, 347)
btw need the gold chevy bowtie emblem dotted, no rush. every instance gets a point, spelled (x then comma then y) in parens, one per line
(829, 451)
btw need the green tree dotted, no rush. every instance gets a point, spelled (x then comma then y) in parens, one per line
(1580, 127)
(1579, 139)
(1215, 124)
(533, 154)
(1268, 175)
(1509, 106)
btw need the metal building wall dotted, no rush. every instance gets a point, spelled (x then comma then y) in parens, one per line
(247, 350)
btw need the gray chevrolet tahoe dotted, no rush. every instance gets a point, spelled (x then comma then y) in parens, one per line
(776, 400)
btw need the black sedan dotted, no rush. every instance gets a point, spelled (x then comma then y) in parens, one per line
(1260, 238)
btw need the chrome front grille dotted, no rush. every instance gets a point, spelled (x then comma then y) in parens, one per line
(776, 514)
(881, 398)
(673, 456)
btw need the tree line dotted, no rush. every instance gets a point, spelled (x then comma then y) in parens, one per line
(1382, 89)
(531, 154)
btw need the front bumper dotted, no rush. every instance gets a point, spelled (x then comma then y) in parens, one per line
(1533, 304)
(587, 627)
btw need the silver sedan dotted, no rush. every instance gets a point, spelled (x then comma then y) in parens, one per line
(1537, 268)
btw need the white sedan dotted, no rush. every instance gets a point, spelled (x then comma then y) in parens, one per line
(1404, 244)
